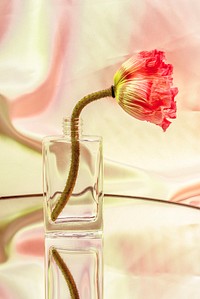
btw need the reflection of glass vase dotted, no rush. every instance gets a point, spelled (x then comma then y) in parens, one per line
(76, 234)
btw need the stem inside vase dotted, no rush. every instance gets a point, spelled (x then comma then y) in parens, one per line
(75, 150)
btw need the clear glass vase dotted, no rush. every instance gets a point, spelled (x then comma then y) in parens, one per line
(83, 212)
(83, 258)
(73, 241)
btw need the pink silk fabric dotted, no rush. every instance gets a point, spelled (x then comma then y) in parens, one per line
(52, 53)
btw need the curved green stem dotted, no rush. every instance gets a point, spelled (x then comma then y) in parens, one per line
(75, 149)
(66, 273)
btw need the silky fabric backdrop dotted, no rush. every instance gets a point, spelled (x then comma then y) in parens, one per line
(54, 52)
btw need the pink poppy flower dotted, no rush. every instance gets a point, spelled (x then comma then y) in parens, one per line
(143, 88)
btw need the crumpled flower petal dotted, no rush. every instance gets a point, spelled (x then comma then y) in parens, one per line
(143, 88)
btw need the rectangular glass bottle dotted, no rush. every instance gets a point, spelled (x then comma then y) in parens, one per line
(83, 211)
(73, 170)
(83, 259)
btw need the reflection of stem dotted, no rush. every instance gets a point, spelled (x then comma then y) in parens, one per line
(67, 274)
(75, 150)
